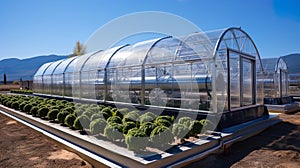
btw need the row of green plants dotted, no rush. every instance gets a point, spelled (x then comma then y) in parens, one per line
(137, 129)
(22, 91)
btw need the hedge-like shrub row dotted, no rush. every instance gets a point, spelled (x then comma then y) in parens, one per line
(22, 91)
(139, 130)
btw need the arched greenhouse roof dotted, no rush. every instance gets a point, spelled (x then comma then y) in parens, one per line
(201, 45)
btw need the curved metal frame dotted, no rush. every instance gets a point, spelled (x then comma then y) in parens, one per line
(215, 49)
(220, 39)
(44, 73)
(280, 76)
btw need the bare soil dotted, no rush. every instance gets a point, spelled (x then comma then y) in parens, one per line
(277, 146)
(21, 146)
(9, 87)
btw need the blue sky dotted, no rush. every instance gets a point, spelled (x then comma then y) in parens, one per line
(40, 27)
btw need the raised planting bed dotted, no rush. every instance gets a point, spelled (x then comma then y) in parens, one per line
(112, 123)
(116, 134)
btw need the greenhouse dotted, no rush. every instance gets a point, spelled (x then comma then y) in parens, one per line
(276, 78)
(213, 71)
(277, 98)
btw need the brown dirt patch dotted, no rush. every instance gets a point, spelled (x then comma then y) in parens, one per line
(20, 146)
(8, 87)
(277, 146)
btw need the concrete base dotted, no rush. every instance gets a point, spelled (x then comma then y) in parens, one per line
(103, 153)
(284, 108)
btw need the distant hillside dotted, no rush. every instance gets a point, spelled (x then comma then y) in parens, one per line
(25, 68)
(293, 62)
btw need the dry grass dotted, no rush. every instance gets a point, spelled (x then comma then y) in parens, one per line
(8, 87)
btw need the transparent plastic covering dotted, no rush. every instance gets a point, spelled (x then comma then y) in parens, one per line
(275, 78)
(281, 78)
(38, 78)
(198, 71)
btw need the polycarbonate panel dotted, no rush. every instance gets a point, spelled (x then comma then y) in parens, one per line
(78, 78)
(235, 85)
(100, 74)
(194, 47)
(125, 72)
(42, 69)
(133, 55)
(63, 66)
(247, 80)
(52, 67)
(190, 70)
(163, 51)
(282, 78)
(48, 77)
(176, 72)
(269, 78)
(38, 84)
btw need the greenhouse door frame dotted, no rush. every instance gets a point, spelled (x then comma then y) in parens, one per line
(241, 58)
(283, 83)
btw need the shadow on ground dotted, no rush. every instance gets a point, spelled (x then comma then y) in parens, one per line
(282, 136)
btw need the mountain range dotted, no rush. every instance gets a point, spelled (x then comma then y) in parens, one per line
(15, 69)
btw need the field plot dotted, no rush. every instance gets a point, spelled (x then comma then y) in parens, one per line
(22, 146)
(9, 87)
(277, 146)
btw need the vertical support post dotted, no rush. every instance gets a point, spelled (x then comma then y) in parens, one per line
(105, 85)
(64, 84)
(241, 72)
(280, 83)
(80, 87)
(228, 81)
(254, 82)
(143, 86)
(214, 89)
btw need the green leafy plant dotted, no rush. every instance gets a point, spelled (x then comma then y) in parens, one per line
(180, 131)
(131, 116)
(69, 120)
(147, 117)
(136, 140)
(113, 132)
(147, 127)
(127, 126)
(27, 108)
(52, 114)
(162, 122)
(96, 116)
(187, 121)
(114, 119)
(106, 112)
(61, 116)
(42, 112)
(97, 126)
(82, 121)
(161, 137)
(195, 128)
(15, 105)
(34, 111)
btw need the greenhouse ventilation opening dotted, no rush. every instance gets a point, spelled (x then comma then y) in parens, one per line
(210, 73)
